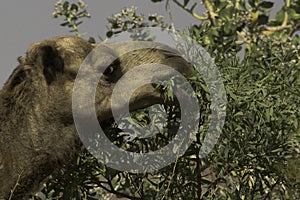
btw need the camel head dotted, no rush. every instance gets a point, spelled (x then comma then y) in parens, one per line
(37, 132)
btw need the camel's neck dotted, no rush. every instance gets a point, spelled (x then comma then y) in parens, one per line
(30, 142)
(13, 128)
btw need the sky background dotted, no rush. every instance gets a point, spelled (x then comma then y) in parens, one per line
(25, 22)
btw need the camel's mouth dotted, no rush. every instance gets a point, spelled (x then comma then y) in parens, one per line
(120, 103)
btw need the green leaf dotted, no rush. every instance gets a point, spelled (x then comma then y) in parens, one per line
(293, 14)
(252, 3)
(66, 5)
(214, 32)
(78, 23)
(266, 5)
(238, 114)
(74, 7)
(279, 16)
(155, 1)
(109, 34)
(64, 24)
(277, 150)
(263, 19)
(92, 40)
(193, 7)
(185, 3)
(228, 28)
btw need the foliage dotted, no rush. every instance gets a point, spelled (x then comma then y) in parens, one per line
(129, 20)
(72, 14)
(258, 154)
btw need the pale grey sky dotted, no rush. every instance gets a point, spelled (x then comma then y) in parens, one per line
(25, 22)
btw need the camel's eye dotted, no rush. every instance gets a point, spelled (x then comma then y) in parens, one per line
(112, 73)
(112, 68)
(109, 70)
(109, 75)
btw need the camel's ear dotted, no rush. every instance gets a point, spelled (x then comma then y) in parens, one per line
(51, 62)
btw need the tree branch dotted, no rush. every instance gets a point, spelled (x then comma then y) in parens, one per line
(270, 30)
(201, 18)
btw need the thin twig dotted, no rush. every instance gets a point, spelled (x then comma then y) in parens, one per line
(242, 35)
(172, 175)
(212, 14)
(16, 185)
(202, 18)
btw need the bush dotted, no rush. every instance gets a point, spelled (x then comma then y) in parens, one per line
(257, 156)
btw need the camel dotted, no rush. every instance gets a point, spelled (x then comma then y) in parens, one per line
(37, 131)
